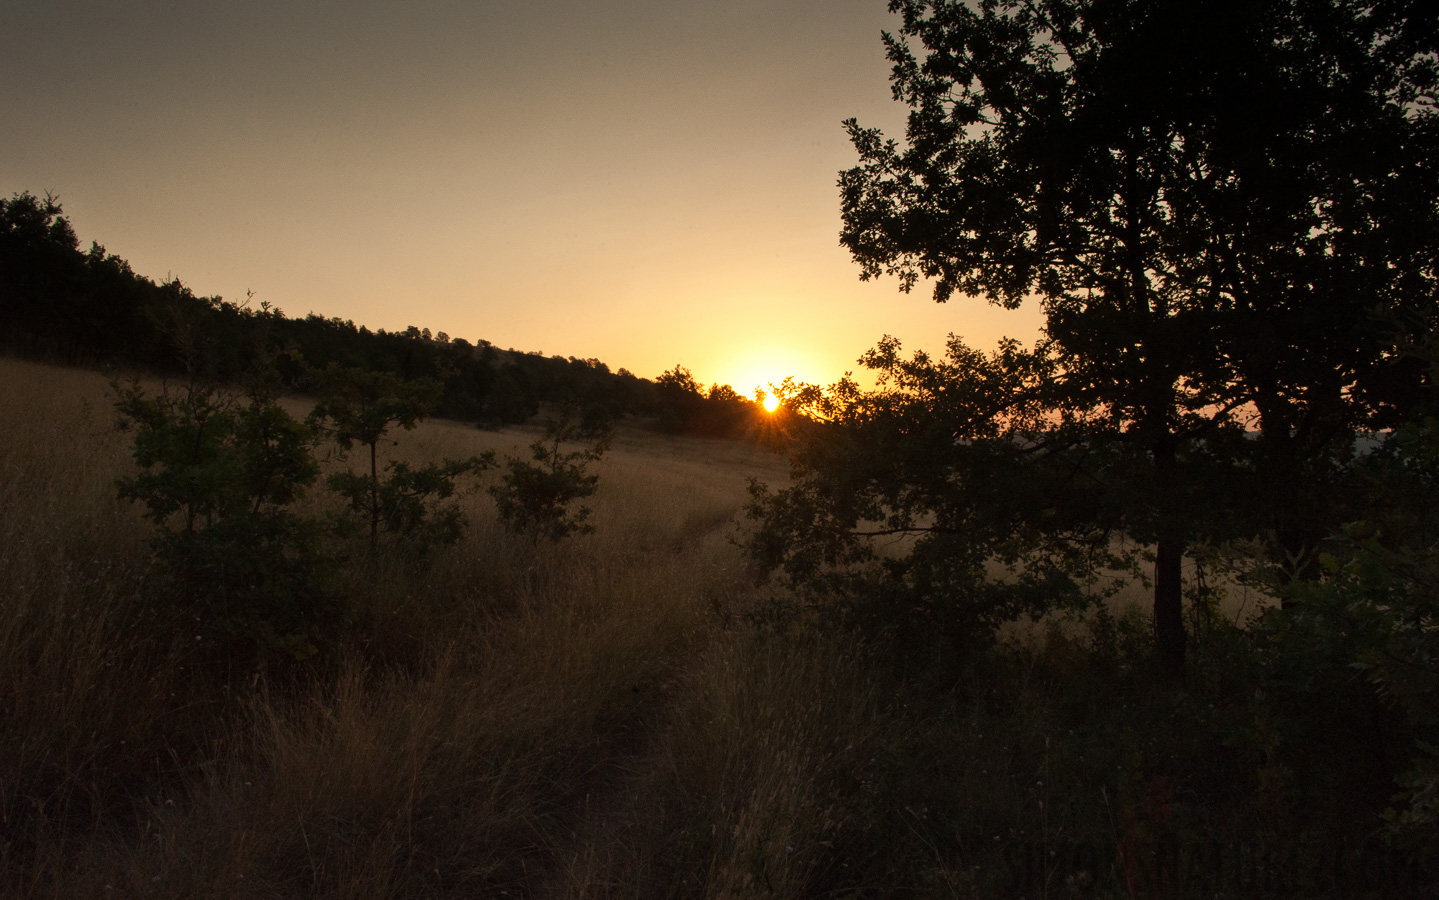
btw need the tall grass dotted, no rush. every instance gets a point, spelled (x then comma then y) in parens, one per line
(601, 719)
(480, 697)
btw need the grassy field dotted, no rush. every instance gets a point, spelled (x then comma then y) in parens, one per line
(598, 718)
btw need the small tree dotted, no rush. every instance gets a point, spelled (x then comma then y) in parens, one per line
(362, 407)
(218, 476)
(535, 497)
(408, 501)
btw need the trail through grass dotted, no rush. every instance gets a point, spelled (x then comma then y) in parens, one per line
(600, 719)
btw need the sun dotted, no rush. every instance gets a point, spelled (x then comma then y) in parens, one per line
(757, 369)
(771, 403)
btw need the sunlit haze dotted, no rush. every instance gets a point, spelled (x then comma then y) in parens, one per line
(647, 183)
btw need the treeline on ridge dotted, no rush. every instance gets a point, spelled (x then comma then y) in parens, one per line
(62, 303)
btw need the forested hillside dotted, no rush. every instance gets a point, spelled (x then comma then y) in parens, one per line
(62, 303)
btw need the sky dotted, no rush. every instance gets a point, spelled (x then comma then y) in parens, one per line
(647, 183)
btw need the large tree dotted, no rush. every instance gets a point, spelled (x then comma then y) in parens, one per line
(1227, 211)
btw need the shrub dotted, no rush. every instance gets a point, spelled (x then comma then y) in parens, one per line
(406, 502)
(217, 476)
(362, 407)
(536, 498)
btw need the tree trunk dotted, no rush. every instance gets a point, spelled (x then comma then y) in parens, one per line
(1169, 637)
(374, 503)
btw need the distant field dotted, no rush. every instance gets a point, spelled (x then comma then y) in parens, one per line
(63, 442)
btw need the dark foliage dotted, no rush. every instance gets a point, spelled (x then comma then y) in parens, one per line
(217, 476)
(59, 302)
(1227, 214)
(360, 407)
(908, 502)
(536, 497)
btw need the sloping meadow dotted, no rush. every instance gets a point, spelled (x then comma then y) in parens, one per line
(478, 700)
(617, 715)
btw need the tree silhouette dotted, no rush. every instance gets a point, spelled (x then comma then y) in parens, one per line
(537, 497)
(679, 380)
(361, 407)
(1210, 201)
(218, 476)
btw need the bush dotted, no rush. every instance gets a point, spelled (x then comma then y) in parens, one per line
(535, 498)
(217, 477)
(406, 501)
(362, 407)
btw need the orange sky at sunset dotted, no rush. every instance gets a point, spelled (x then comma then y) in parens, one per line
(645, 182)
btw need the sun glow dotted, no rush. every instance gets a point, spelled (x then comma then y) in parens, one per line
(761, 368)
(770, 402)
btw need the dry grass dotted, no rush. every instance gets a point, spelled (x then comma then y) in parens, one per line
(756, 787)
(587, 720)
(481, 704)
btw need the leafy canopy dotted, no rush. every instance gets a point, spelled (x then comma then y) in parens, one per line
(1223, 209)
